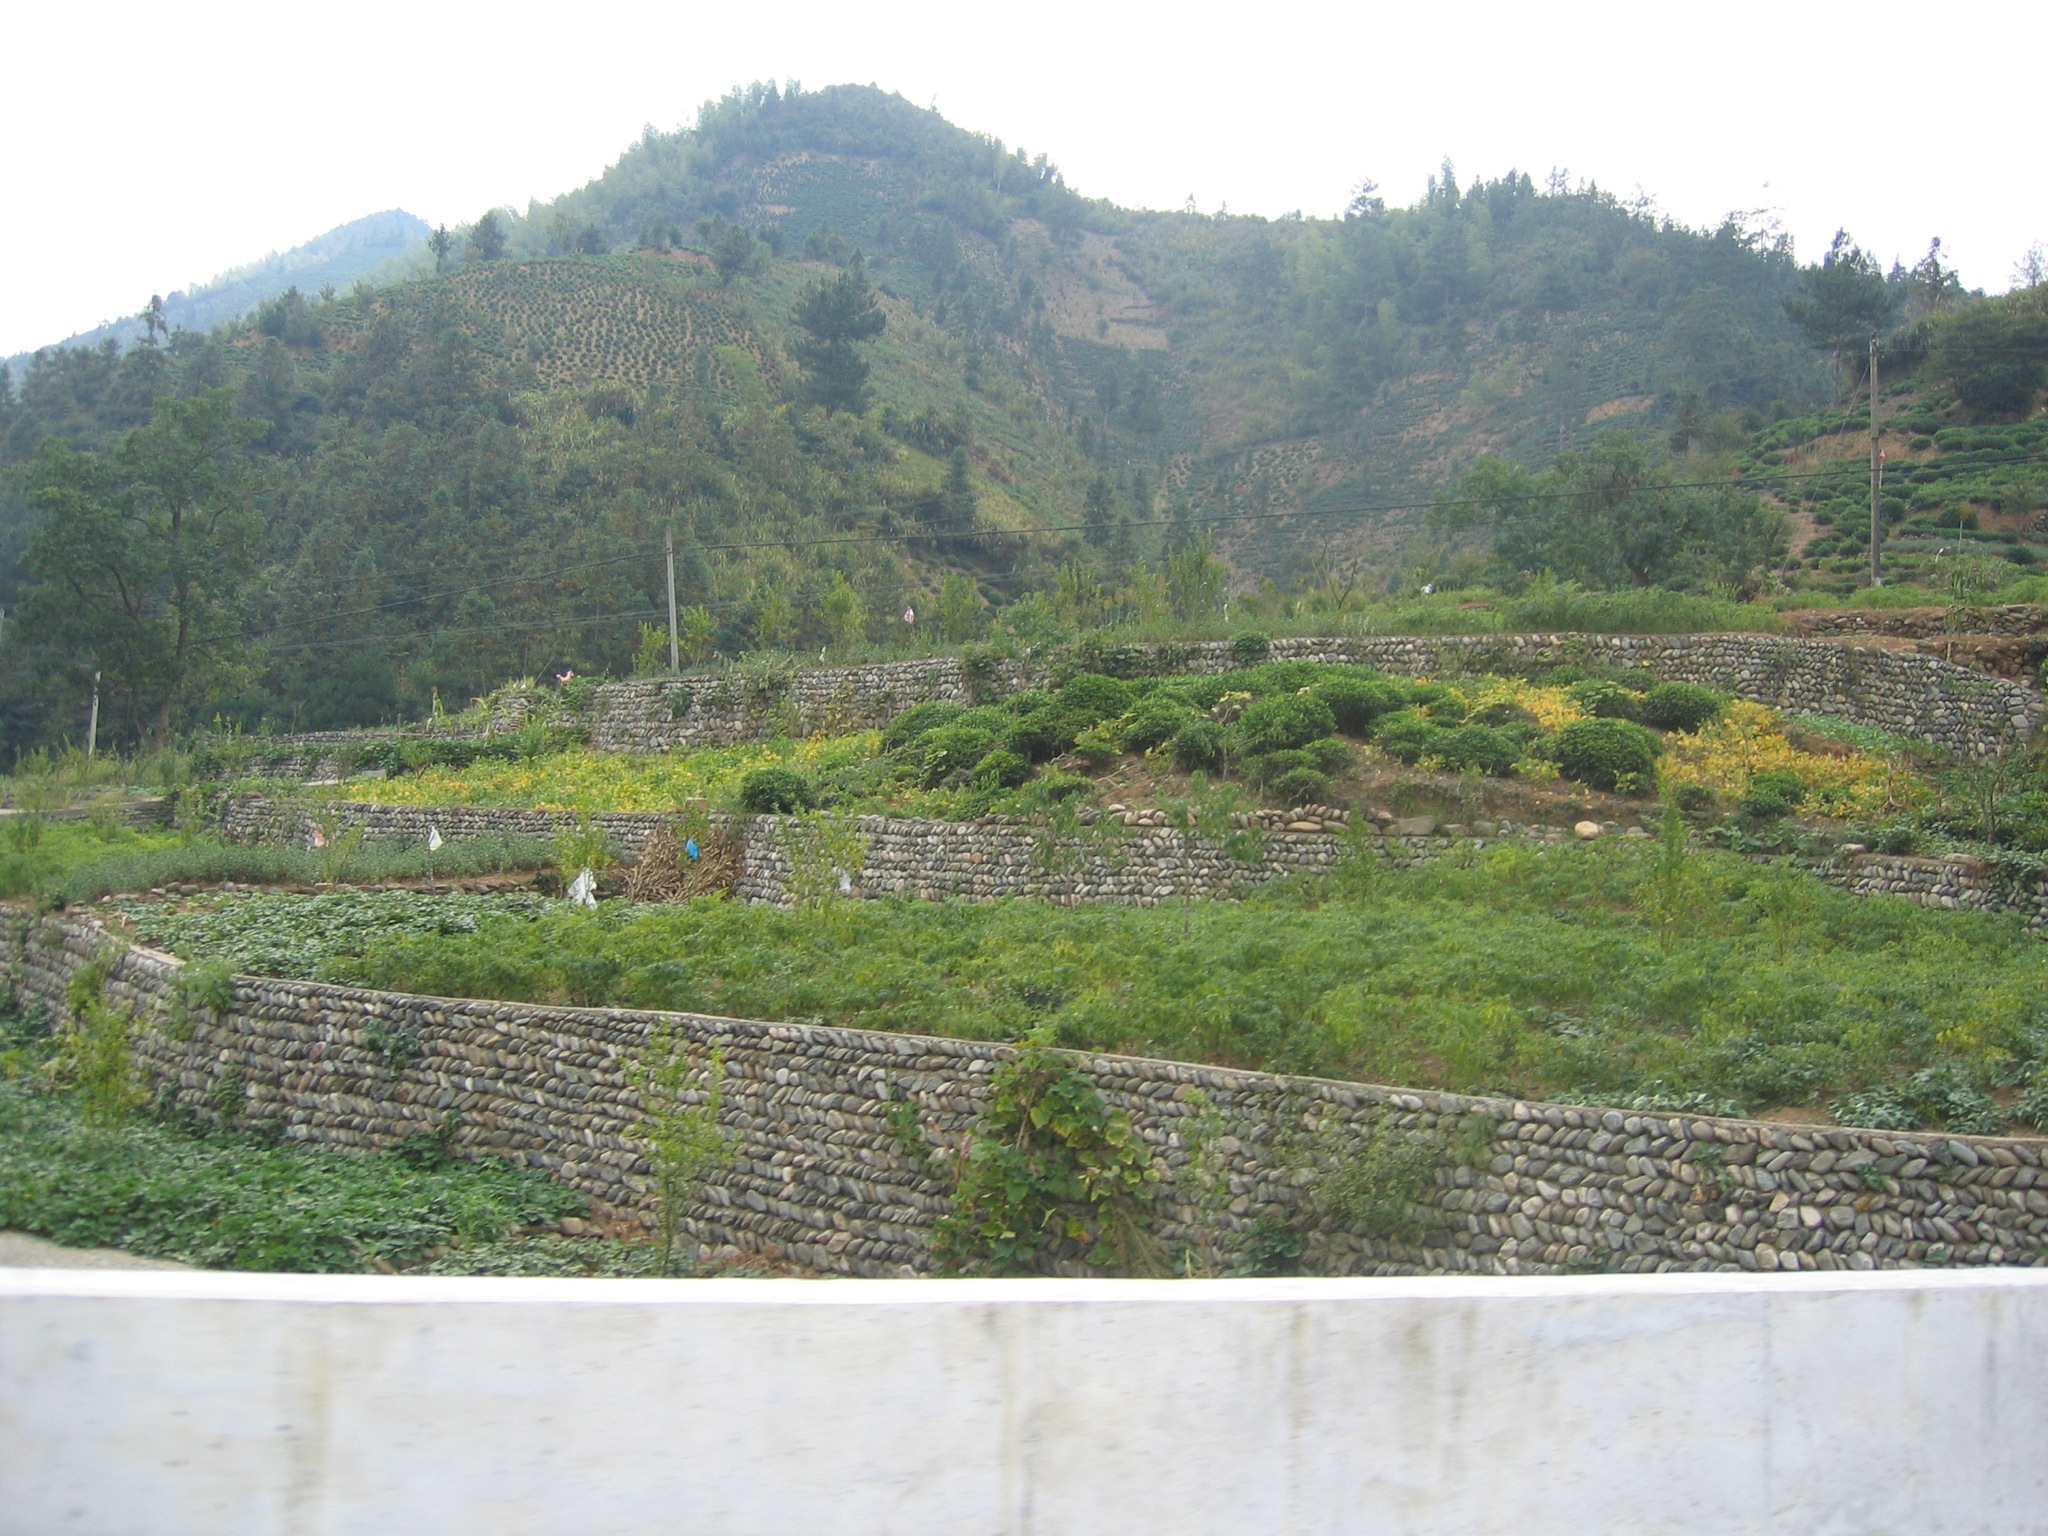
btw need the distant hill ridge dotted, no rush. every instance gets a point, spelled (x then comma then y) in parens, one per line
(346, 253)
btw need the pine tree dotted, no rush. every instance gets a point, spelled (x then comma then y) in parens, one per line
(836, 317)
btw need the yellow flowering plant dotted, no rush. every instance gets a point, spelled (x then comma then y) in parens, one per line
(1746, 739)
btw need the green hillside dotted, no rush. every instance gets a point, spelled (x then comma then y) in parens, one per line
(467, 476)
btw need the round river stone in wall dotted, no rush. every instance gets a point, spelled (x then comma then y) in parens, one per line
(1588, 829)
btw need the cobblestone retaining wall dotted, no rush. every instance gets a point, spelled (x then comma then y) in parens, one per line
(989, 859)
(2011, 619)
(1919, 696)
(830, 1170)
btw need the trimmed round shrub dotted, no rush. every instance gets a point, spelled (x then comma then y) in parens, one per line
(951, 751)
(1041, 734)
(1604, 700)
(1606, 754)
(1782, 782)
(1500, 713)
(1693, 797)
(776, 792)
(1091, 697)
(1156, 721)
(1199, 745)
(1761, 803)
(1328, 753)
(1478, 746)
(1300, 786)
(1282, 721)
(1679, 706)
(1772, 793)
(1250, 648)
(1356, 702)
(1001, 769)
(1407, 736)
(916, 721)
(1444, 706)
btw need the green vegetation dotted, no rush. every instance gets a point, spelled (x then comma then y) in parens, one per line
(1524, 971)
(280, 935)
(581, 380)
(239, 1199)
(76, 864)
(1050, 1173)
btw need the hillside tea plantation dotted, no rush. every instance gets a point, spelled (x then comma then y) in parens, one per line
(1622, 972)
(1292, 733)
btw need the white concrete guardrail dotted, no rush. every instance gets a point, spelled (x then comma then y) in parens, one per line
(1860, 1404)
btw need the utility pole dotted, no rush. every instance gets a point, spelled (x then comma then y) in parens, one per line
(1876, 475)
(675, 656)
(92, 723)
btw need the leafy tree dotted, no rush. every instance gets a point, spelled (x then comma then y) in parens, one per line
(836, 317)
(732, 249)
(959, 609)
(486, 238)
(846, 616)
(154, 326)
(1195, 579)
(1995, 354)
(440, 242)
(1612, 516)
(1842, 302)
(145, 556)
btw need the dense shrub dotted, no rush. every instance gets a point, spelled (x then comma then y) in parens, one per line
(1606, 701)
(1772, 793)
(1041, 733)
(1501, 714)
(916, 721)
(776, 792)
(1198, 746)
(951, 752)
(1001, 769)
(1478, 746)
(1407, 736)
(1091, 697)
(1282, 721)
(1250, 648)
(1301, 786)
(1156, 721)
(1356, 702)
(1606, 754)
(1679, 706)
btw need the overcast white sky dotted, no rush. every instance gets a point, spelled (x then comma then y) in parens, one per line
(151, 147)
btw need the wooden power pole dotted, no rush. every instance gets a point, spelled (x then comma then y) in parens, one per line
(1876, 476)
(675, 657)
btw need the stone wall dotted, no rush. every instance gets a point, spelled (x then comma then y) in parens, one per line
(1920, 696)
(993, 858)
(2010, 619)
(831, 1169)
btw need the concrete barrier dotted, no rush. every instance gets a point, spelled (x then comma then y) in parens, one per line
(216, 1404)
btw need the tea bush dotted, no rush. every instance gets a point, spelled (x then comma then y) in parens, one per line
(1607, 754)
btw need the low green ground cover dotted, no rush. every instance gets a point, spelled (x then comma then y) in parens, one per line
(243, 1200)
(75, 863)
(1615, 971)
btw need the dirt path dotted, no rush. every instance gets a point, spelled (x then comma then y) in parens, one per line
(18, 1250)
